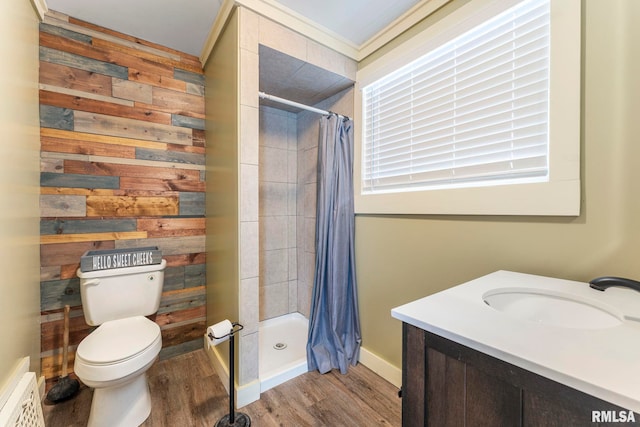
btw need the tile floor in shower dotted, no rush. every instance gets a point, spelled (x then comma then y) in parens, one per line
(283, 349)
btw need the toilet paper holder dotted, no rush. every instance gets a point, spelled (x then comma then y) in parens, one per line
(233, 418)
(235, 328)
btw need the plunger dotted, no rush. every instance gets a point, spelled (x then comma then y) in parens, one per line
(66, 387)
(233, 418)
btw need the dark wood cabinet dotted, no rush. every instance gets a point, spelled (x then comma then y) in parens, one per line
(448, 384)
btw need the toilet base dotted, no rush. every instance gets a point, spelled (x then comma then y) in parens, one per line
(124, 405)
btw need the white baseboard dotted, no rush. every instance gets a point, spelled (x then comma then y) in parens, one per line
(251, 392)
(243, 394)
(381, 367)
(247, 393)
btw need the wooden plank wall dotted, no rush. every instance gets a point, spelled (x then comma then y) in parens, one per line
(122, 165)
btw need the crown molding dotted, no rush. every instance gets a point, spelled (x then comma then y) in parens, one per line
(222, 17)
(273, 10)
(40, 7)
(294, 21)
(405, 21)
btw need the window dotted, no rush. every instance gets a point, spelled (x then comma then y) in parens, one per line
(468, 122)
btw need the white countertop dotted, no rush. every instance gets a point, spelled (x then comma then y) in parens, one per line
(603, 362)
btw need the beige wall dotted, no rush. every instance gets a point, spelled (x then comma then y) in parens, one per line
(221, 73)
(19, 183)
(402, 258)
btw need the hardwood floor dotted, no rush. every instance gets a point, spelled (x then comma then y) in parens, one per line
(187, 392)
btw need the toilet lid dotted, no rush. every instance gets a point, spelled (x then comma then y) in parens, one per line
(116, 340)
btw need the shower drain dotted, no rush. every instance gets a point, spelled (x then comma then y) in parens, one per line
(280, 346)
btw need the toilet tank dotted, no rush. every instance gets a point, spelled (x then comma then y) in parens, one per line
(121, 292)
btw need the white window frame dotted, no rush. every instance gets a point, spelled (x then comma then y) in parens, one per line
(560, 194)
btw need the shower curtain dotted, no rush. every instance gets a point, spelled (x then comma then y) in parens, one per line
(334, 325)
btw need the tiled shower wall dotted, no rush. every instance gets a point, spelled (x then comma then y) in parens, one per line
(277, 212)
(288, 177)
(308, 128)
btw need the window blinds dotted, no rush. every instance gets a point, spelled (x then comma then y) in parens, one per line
(472, 111)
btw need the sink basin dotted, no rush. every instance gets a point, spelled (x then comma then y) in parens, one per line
(552, 308)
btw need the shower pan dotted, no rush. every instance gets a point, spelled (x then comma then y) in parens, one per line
(283, 340)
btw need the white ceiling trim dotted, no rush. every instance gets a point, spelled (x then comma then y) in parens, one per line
(301, 24)
(218, 25)
(296, 22)
(405, 21)
(281, 15)
(41, 8)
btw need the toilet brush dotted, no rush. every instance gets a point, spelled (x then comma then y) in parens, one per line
(66, 387)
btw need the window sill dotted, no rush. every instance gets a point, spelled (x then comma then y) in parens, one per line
(559, 198)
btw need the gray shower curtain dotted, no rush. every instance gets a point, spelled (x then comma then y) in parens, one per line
(334, 325)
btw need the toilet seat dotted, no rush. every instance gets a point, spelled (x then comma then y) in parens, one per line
(117, 348)
(118, 340)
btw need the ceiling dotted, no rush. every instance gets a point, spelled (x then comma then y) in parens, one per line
(185, 25)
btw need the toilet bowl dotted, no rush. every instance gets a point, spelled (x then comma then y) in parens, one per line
(114, 358)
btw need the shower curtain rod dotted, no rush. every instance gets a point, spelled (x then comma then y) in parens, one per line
(296, 104)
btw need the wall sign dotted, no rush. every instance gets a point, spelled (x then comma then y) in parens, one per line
(119, 258)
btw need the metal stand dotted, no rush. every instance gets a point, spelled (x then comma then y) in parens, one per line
(233, 418)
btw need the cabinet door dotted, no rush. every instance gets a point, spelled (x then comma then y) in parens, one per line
(448, 384)
(458, 394)
(445, 390)
(440, 390)
(542, 410)
(490, 401)
(571, 409)
(413, 376)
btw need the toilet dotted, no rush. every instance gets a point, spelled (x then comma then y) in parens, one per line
(114, 358)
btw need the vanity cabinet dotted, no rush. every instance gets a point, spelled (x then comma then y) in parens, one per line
(448, 384)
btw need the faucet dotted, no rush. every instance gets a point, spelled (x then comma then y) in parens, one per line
(602, 283)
